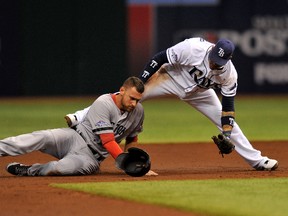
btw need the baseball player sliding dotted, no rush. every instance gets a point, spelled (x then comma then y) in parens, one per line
(192, 70)
(110, 119)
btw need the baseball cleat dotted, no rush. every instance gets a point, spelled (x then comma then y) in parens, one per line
(18, 169)
(267, 165)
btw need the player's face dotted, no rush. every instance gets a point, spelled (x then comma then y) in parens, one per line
(214, 66)
(130, 98)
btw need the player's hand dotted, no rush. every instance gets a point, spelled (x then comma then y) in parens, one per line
(71, 120)
(151, 173)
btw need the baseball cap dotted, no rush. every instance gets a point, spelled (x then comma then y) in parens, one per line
(222, 52)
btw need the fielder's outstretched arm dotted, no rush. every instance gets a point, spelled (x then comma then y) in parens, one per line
(153, 65)
(228, 115)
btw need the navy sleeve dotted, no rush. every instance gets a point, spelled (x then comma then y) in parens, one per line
(153, 65)
(228, 104)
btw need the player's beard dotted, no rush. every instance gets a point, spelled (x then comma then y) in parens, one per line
(126, 108)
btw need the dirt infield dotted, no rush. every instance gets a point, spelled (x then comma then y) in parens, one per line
(33, 196)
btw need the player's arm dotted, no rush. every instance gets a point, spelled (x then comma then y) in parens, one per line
(228, 115)
(130, 142)
(114, 149)
(99, 116)
(153, 65)
(75, 118)
(228, 91)
(110, 144)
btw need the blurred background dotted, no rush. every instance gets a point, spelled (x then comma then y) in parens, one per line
(88, 47)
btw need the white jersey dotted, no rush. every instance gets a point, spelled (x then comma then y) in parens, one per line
(189, 67)
(105, 117)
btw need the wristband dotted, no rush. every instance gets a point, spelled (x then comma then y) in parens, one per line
(227, 122)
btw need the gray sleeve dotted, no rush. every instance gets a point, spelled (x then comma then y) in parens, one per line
(99, 116)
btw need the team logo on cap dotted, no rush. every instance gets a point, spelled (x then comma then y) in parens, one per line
(221, 52)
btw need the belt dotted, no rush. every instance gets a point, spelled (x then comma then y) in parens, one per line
(92, 150)
(98, 157)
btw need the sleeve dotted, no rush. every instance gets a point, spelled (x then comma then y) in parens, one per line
(99, 117)
(229, 87)
(109, 143)
(228, 114)
(188, 52)
(228, 91)
(228, 104)
(153, 65)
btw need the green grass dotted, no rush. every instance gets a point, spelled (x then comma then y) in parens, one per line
(166, 120)
(260, 118)
(263, 118)
(172, 120)
(227, 197)
(25, 115)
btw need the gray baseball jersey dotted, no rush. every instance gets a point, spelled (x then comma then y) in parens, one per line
(105, 117)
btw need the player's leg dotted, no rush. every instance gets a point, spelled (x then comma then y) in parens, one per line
(159, 85)
(75, 158)
(73, 164)
(82, 163)
(25, 143)
(208, 104)
(64, 144)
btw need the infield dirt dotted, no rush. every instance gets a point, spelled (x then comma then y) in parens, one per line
(27, 196)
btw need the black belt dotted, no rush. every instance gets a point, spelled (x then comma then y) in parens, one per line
(92, 150)
(98, 157)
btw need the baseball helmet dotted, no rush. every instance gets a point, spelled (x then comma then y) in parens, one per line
(136, 162)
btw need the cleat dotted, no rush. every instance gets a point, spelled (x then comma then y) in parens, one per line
(268, 165)
(18, 169)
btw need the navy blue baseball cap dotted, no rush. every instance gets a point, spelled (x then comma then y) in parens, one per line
(222, 52)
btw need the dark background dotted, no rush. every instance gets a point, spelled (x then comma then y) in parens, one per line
(73, 47)
(234, 19)
(62, 47)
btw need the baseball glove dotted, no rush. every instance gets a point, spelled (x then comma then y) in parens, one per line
(136, 162)
(224, 144)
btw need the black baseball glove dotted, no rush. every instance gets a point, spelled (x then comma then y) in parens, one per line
(136, 162)
(224, 144)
